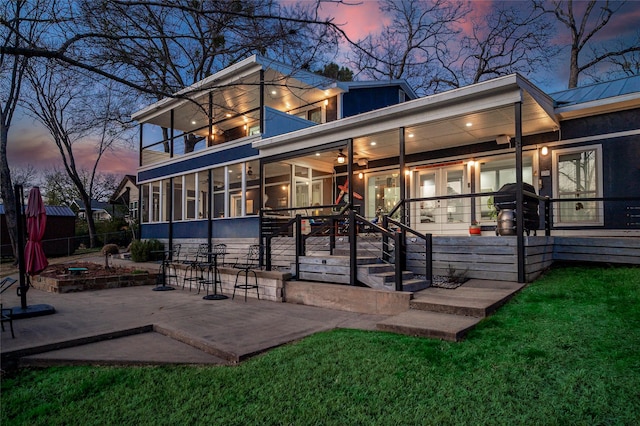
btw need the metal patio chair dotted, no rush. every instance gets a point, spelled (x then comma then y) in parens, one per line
(248, 265)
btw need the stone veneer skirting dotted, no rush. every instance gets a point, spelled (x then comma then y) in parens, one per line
(66, 284)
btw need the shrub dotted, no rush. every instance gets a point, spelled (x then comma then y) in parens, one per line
(141, 250)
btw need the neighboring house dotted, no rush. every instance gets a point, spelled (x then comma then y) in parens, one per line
(101, 210)
(58, 235)
(260, 135)
(127, 196)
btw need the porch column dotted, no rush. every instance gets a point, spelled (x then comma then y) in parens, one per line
(140, 146)
(261, 101)
(170, 203)
(171, 136)
(353, 247)
(210, 205)
(403, 180)
(519, 197)
(210, 130)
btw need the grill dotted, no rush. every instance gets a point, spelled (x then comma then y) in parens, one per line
(505, 203)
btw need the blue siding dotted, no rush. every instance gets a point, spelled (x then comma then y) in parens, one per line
(203, 161)
(278, 123)
(357, 101)
(246, 227)
(154, 230)
(190, 229)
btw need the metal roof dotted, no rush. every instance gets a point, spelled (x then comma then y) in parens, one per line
(52, 210)
(597, 91)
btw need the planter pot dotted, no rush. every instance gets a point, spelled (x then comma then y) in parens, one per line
(475, 230)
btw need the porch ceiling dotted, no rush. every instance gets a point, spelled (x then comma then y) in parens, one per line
(465, 116)
(236, 92)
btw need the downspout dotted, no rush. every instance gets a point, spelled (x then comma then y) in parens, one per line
(519, 196)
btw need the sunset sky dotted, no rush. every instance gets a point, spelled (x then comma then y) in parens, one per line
(30, 144)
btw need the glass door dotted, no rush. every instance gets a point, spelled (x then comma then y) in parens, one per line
(441, 215)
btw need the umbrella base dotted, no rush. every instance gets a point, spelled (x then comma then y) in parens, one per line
(32, 311)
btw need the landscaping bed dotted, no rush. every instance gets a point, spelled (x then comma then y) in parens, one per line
(89, 276)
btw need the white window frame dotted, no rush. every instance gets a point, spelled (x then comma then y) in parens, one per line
(599, 221)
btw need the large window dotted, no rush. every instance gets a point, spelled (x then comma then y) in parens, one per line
(578, 176)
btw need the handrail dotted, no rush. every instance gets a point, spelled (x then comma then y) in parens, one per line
(347, 213)
(428, 238)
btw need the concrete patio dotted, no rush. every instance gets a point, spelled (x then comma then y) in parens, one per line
(138, 326)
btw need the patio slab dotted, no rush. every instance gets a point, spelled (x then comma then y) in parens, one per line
(231, 330)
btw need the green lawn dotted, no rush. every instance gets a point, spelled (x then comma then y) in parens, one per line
(565, 351)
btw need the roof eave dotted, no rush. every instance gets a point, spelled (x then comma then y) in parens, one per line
(600, 106)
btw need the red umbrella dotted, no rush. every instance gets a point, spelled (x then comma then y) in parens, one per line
(35, 258)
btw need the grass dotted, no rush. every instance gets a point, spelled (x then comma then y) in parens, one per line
(564, 351)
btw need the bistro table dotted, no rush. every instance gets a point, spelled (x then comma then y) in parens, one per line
(165, 261)
(213, 267)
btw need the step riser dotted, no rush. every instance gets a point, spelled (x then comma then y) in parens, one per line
(448, 309)
(424, 332)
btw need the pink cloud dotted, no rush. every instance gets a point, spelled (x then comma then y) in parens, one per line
(29, 144)
(356, 20)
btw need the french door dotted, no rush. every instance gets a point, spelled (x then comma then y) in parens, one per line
(441, 215)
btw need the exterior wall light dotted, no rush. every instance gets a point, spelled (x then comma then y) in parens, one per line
(544, 150)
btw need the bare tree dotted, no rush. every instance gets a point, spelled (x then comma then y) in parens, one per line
(205, 35)
(583, 24)
(169, 46)
(27, 176)
(407, 47)
(59, 189)
(16, 32)
(63, 101)
(505, 41)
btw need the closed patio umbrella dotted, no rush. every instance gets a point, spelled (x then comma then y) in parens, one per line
(31, 255)
(35, 259)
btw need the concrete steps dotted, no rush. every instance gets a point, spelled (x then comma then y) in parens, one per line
(450, 314)
(429, 324)
(371, 272)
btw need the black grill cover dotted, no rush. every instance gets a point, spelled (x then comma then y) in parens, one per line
(507, 198)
